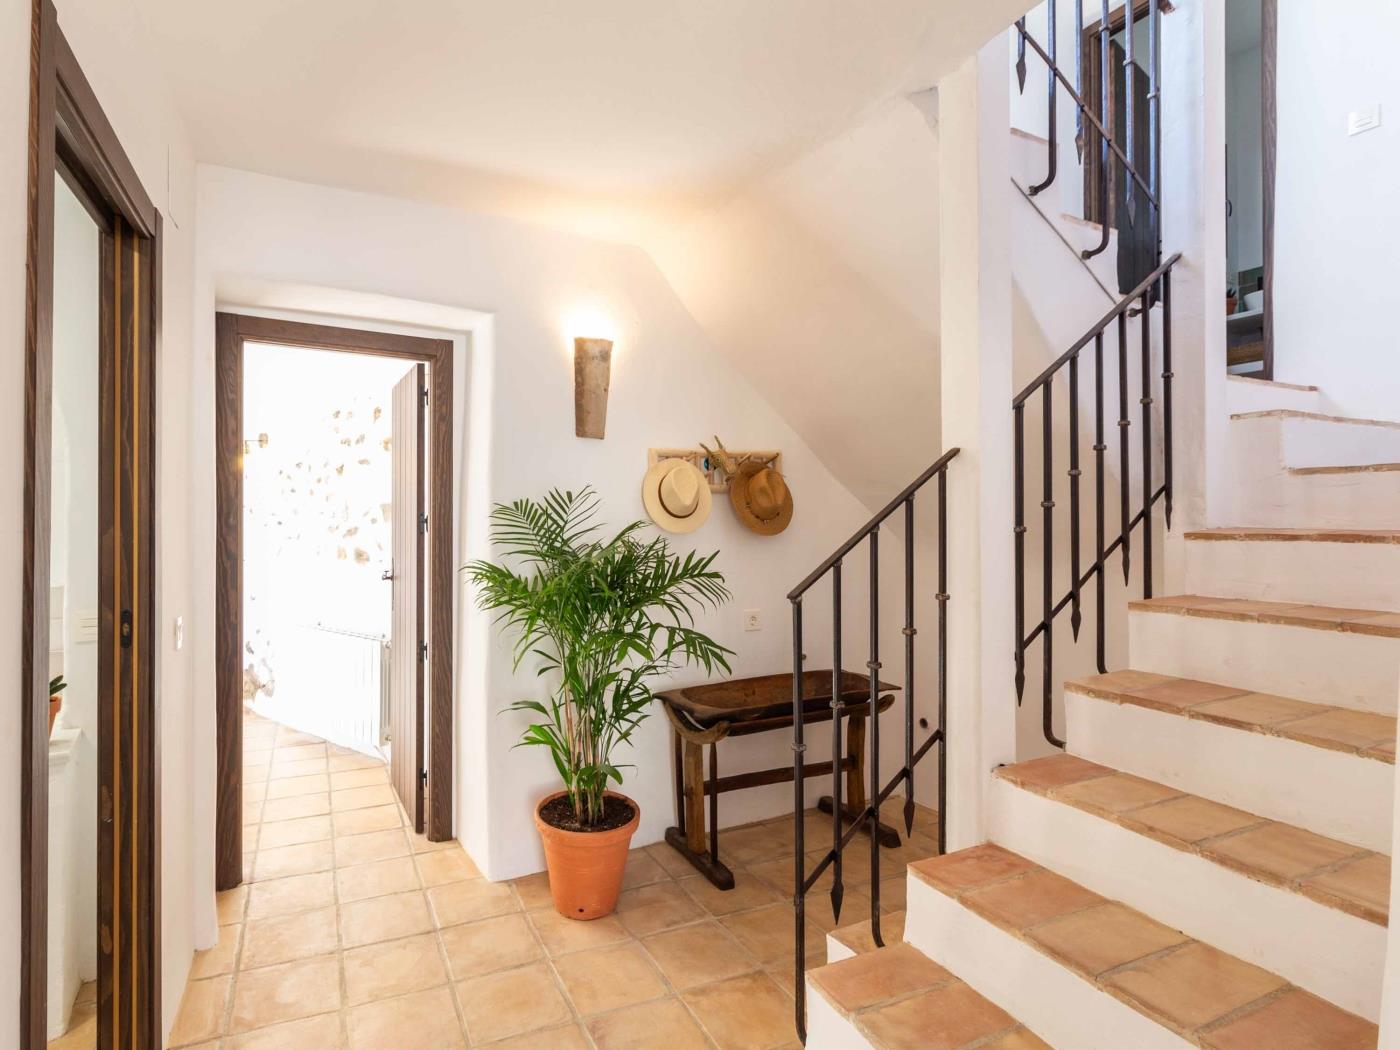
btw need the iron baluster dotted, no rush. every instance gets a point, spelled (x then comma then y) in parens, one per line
(909, 632)
(873, 804)
(1099, 448)
(1047, 504)
(1075, 616)
(1129, 94)
(1052, 84)
(1123, 425)
(1145, 319)
(799, 810)
(837, 709)
(1167, 391)
(1154, 113)
(1020, 533)
(1078, 77)
(1021, 56)
(714, 803)
(1105, 158)
(942, 670)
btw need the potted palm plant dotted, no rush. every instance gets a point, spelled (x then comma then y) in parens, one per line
(604, 616)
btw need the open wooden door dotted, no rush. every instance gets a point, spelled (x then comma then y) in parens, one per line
(409, 526)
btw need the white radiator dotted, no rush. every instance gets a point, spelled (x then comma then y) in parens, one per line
(333, 683)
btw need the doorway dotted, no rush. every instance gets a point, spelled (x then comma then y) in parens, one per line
(90, 858)
(416, 709)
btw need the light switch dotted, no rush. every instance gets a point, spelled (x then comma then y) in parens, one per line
(753, 620)
(1359, 120)
(85, 628)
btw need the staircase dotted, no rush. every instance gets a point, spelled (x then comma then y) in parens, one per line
(1208, 863)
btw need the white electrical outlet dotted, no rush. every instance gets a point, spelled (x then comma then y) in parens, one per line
(1360, 120)
(753, 620)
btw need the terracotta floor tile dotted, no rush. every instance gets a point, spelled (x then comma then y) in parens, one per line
(1052, 771)
(1342, 730)
(533, 891)
(341, 763)
(354, 778)
(291, 832)
(298, 752)
(744, 1013)
(1385, 752)
(379, 879)
(1021, 1039)
(303, 768)
(361, 821)
(322, 1032)
(477, 948)
(285, 993)
(512, 1002)
(1294, 1021)
(371, 846)
(637, 1028)
(390, 968)
(855, 906)
(1115, 794)
(1181, 693)
(861, 982)
(749, 892)
(1360, 887)
(295, 807)
(231, 904)
(363, 797)
(860, 940)
(671, 862)
(1034, 898)
(220, 959)
(1184, 821)
(289, 787)
(699, 954)
(562, 936)
(753, 843)
(650, 909)
(267, 942)
(943, 1019)
(1116, 682)
(444, 866)
(892, 893)
(642, 870)
(1194, 986)
(384, 919)
(292, 894)
(302, 859)
(201, 1015)
(1101, 938)
(1254, 710)
(459, 902)
(422, 1019)
(609, 978)
(970, 868)
(1280, 852)
(769, 934)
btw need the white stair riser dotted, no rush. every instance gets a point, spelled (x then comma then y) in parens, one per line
(1323, 443)
(1328, 952)
(1265, 494)
(1352, 575)
(836, 951)
(1340, 795)
(1341, 668)
(1062, 1008)
(1241, 395)
(828, 1028)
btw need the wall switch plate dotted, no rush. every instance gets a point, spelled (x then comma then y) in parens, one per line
(753, 620)
(1359, 120)
(179, 632)
(85, 628)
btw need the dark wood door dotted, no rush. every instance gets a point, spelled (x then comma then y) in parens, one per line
(1134, 216)
(408, 547)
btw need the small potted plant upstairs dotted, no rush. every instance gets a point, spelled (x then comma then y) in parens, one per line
(604, 616)
(56, 686)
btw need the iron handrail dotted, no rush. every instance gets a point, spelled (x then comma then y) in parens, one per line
(864, 815)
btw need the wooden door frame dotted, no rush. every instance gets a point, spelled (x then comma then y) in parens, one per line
(1268, 65)
(232, 331)
(69, 135)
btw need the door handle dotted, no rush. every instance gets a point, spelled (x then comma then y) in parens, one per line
(387, 574)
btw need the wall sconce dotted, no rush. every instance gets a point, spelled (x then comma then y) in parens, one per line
(251, 443)
(592, 374)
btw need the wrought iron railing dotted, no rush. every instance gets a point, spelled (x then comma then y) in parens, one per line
(845, 824)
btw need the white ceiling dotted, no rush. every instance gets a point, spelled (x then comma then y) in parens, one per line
(531, 107)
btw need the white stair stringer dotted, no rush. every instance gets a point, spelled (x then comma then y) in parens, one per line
(1339, 668)
(1062, 1008)
(1352, 570)
(1329, 952)
(1342, 795)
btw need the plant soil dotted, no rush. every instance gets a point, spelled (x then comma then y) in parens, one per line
(559, 813)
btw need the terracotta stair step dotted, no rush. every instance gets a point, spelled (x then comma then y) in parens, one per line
(1363, 733)
(899, 999)
(1297, 535)
(1381, 622)
(1332, 873)
(859, 940)
(1272, 383)
(1321, 417)
(1360, 468)
(1208, 997)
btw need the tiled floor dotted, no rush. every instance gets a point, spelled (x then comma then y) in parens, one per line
(354, 934)
(82, 1023)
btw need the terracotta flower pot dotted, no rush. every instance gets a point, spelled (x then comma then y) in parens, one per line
(585, 867)
(55, 706)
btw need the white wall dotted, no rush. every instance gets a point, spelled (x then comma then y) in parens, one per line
(106, 36)
(1244, 244)
(1337, 220)
(668, 388)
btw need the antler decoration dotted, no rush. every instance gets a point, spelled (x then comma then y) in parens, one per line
(722, 458)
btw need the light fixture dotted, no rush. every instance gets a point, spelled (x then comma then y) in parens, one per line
(259, 442)
(592, 375)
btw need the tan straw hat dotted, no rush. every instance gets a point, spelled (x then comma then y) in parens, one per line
(676, 495)
(761, 499)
